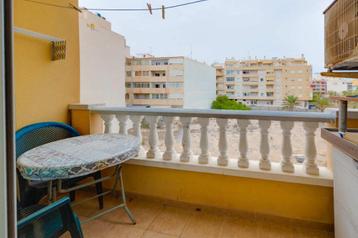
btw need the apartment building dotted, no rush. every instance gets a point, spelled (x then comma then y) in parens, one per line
(177, 82)
(319, 85)
(220, 79)
(339, 85)
(266, 82)
(103, 53)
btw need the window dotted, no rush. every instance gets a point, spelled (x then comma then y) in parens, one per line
(261, 79)
(229, 72)
(141, 96)
(230, 79)
(128, 85)
(160, 62)
(159, 96)
(174, 85)
(145, 73)
(141, 85)
(129, 73)
(158, 85)
(138, 73)
(176, 96)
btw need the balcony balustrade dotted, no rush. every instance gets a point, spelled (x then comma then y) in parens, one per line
(240, 165)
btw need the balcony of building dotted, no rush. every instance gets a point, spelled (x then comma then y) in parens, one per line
(208, 173)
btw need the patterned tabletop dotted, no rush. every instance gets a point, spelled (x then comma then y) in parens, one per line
(77, 156)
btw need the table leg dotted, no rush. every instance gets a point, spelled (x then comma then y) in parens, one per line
(126, 209)
(49, 192)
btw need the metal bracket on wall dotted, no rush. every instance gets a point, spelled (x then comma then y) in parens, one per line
(58, 45)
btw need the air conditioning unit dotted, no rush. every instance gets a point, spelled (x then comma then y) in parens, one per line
(341, 35)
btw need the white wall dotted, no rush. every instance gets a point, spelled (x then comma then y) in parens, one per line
(338, 84)
(102, 60)
(199, 84)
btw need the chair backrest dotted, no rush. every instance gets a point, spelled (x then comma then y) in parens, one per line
(38, 134)
(51, 221)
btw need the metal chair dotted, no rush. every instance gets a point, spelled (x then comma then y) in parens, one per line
(38, 134)
(50, 221)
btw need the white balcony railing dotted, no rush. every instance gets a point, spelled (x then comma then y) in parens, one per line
(240, 165)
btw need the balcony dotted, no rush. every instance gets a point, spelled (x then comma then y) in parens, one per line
(223, 161)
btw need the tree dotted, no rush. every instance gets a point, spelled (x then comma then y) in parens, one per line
(290, 102)
(224, 103)
(321, 103)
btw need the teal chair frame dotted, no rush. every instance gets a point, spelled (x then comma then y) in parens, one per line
(38, 134)
(51, 221)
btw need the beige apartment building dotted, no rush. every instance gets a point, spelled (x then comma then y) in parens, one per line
(220, 79)
(266, 82)
(169, 82)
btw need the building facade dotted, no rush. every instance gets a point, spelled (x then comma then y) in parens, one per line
(102, 61)
(220, 79)
(319, 86)
(339, 85)
(169, 82)
(266, 82)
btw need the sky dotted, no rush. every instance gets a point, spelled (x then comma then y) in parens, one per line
(218, 29)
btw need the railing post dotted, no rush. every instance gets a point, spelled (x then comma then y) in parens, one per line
(286, 163)
(204, 141)
(122, 119)
(265, 163)
(108, 127)
(153, 151)
(187, 154)
(169, 153)
(310, 148)
(243, 148)
(223, 158)
(137, 123)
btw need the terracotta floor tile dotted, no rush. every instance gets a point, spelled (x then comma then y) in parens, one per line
(272, 229)
(143, 211)
(171, 220)
(203, 224)
(238, 227)
(152, 234)
(155, 220)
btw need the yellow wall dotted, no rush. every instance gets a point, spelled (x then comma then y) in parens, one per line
(297, 201)
(44, 88)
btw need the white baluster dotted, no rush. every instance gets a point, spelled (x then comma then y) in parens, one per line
(122, 119)
(204, 141)
(187, 154)
(108, 127)
(137, 123)
(223, 158)
(153, 151)
(243, 161)
(265, 163)
(286, 163)
(170, 152)
(310, 148)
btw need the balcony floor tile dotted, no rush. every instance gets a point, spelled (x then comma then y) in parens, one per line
(159, 220)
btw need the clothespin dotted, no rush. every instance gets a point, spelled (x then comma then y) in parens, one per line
(74, 7)
(163, 12)
(150, 8)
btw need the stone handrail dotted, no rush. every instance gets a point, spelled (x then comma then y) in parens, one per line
(310, 122)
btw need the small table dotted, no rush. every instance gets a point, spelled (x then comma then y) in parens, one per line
(78, 156)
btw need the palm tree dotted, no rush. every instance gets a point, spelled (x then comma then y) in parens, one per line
(320, 102)
(290, 102)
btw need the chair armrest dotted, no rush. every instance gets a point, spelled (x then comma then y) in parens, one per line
(43, 212)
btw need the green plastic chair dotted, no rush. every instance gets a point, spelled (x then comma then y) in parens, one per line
(50, 221)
